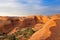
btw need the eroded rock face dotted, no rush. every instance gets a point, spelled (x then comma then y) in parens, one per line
(7, 24)
(55, 33)
(44, 32)
(45, 19)
(37, 27)
(55, 16)
(29, 22)
(38, 19)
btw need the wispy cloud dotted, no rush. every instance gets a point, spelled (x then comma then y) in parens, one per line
(25, 7)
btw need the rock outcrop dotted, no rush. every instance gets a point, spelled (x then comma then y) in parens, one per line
(45, 19)
(44, 32)
(55, 33)
(9, 24)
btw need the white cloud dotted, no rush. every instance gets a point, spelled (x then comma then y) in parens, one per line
(12, 7)
(8, 7)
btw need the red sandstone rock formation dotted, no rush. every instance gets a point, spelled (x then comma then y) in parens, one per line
(55, 33)
(45, 19)
(7, 24)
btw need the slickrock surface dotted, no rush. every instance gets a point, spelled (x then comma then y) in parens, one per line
(45, 19)
(44, 32)
(10, 25)
(55, 31)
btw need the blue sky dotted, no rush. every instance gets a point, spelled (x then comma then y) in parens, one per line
(51, 2)
(29, 7)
